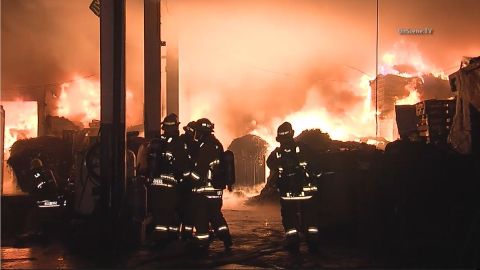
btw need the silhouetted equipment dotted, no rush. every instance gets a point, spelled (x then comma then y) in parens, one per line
(229, 168)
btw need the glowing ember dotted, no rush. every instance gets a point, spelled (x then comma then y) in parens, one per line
(21, 121)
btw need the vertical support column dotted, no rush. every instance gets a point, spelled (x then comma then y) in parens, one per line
(152, 86)
(112, 106)
(2, 145)
(172, 76)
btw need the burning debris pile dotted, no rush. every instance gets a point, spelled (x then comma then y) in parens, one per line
(55, 125)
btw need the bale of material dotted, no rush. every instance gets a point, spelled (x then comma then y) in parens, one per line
(249, 152)
(54, 152)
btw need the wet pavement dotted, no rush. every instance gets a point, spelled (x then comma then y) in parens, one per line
(258, 243)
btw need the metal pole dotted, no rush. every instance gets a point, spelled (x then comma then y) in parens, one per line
(376, 78)
(112, 108)
(152, 86)
(2, 145)
(172, 75)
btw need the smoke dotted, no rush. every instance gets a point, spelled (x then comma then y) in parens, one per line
(46, 43)
(242, 63)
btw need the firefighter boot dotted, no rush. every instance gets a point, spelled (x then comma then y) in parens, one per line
(224, 235)
(311, 238)
(292, 241)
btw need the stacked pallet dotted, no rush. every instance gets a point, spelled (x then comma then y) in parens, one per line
(435, 119)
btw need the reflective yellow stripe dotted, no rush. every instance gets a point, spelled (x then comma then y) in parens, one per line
(215, 162)
(195, 175)
(297, 198)
(222, 228)
(312, 230)
(202, 236)
(291, 231)
(310, 188)
(161, 228)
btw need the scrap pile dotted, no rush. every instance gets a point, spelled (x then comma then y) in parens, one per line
(435, 119)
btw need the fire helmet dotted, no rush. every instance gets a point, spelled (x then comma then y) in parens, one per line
(204, 125)
(170, 121)
(285, 131)
(190, 127)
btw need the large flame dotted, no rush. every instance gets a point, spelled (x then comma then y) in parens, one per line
(21, 121)
(79, 100)
(358, 121)
(412, 98)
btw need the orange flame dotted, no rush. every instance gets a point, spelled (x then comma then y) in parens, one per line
(79, 100)
(358, 121)
(21, 121)
(412, 98)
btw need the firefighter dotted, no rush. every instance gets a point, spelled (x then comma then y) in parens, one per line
(167, 165)
(49, 201)
(291, 175)
(208, 185)
(46, 190)
(185, 207)
(188, 138)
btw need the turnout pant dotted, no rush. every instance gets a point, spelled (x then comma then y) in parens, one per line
(208, 211)
(185, 213)
(300, 216)
(162, 203)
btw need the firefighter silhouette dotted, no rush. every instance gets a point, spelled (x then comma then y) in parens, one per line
(185, 204)
(46, 191)
(208, 182)
(168, 164)
(291, 175)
